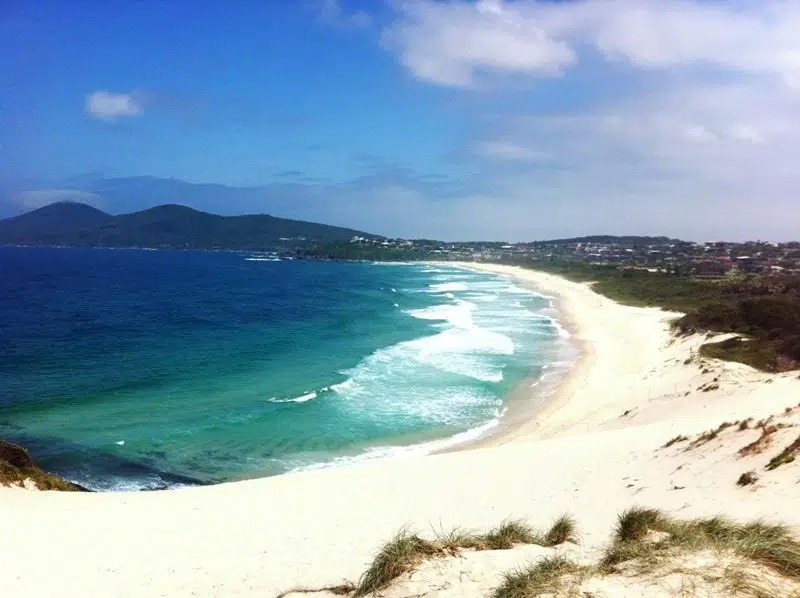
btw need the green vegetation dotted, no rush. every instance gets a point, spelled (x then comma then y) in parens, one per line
(510, 533)
(345, 250)
(633, 524)
(770, 545)
(763, 308)
(675, 440)
(407, 550)
(544, 577)
(401, 554)
(787, 455)
(168, 226)
(564, 529)
(17, 466)
(652, 543)
(649, 542)
(747, 478)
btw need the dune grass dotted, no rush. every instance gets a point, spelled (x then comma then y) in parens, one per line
(543, 577)
(564, 529)
(787, 455)
(675, 440)
(407, 550)
(747, 478)
(401, 554)
(510, 533)
(770, 545)
(648, 541)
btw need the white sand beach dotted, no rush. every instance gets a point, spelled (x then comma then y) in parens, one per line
(593, 450)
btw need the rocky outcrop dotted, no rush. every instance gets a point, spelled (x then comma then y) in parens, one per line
(18, 468)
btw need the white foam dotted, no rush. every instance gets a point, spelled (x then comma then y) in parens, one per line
(458, 313)
(343, 386)
(445, 287)
(301, 399)
(262, 259)
(120, 442)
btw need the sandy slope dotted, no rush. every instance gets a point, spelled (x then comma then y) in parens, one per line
(593, 451)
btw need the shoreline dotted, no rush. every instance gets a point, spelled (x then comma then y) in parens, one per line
(595, 449)
(529, 401)
(590, 319)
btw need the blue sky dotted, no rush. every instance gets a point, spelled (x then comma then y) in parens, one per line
(505, 119)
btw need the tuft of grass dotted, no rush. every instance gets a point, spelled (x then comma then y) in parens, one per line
(510, 533)
(760, 444)
(564, 529)
(745, 424)
(770, 545)
(787, 455)
(543, 577)
(458, 539)
(710, 435)
(677, 439)
(634, 523)
(407, 550)
(401, 554)
(747, 478)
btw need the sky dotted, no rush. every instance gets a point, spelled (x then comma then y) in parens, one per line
(452, 119)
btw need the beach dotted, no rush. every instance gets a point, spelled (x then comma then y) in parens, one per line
(592, 448)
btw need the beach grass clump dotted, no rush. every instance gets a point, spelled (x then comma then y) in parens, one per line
(407, 550)
(760, 444)
(400, 555)
(544, 577)
(787, 455)
(676, 440)
(564, 529)
(510, 533)
(458, 539)
(747, 478)
(767, 544)
(634, 523)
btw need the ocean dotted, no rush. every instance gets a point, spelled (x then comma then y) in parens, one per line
(138, 370)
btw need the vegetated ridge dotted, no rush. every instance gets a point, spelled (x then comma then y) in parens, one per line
(168, 226)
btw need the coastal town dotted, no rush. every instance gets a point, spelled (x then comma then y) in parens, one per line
(658, 254)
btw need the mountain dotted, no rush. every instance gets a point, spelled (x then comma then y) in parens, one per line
(614, 239)
(168, 226)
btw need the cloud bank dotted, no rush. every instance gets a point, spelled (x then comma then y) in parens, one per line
(686, 121)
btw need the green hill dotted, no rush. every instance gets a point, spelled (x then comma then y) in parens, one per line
(167, 226)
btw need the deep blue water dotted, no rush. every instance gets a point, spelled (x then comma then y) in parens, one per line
(127, 369)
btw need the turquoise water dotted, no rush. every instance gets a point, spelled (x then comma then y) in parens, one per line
(126, 369)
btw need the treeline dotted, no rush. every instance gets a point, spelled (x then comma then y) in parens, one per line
(763, 308)
(345, 250)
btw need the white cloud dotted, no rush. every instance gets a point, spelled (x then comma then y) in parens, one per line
(692, 160)
(449, 43)
(108, 105)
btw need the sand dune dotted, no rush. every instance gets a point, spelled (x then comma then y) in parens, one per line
(593, 450)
